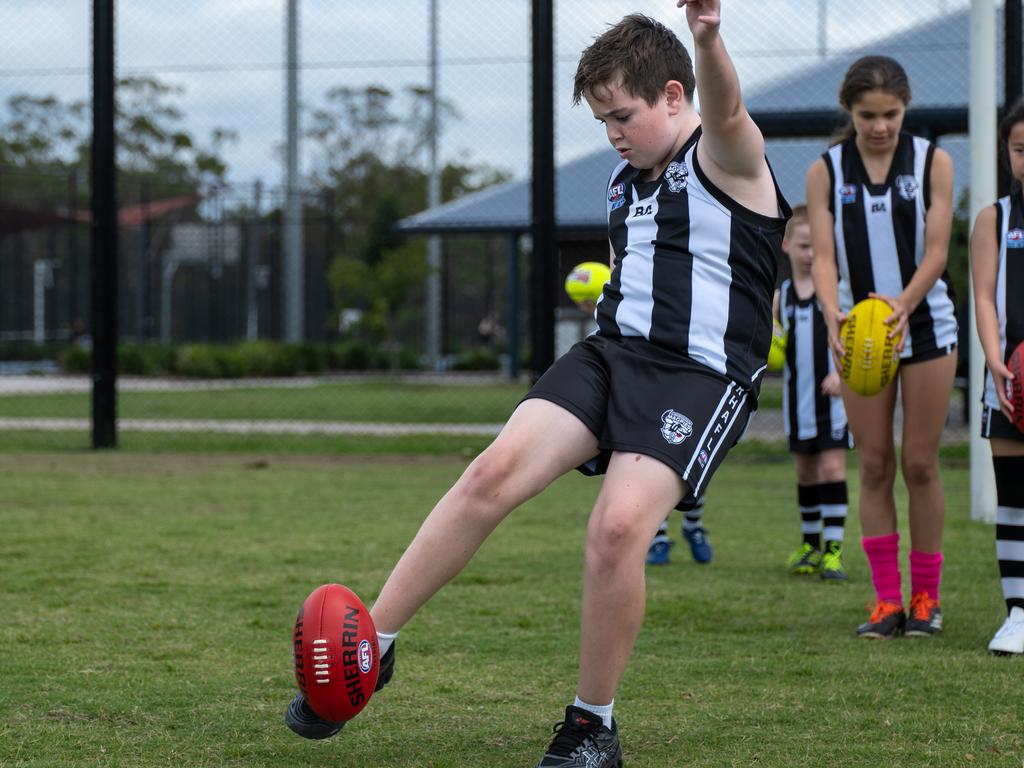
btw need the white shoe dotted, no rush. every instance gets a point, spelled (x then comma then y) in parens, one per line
(1010, 637)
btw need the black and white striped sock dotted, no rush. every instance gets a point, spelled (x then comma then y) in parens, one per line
(810, 514)
(834, 502)
(1010, 527)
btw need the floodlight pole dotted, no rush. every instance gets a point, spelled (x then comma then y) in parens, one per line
(433, 308)
(982, 127)
(294, 258)
(544, 259)
(103, 230)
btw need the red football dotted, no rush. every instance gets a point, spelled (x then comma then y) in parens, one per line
(1015, 388)
(336, 658)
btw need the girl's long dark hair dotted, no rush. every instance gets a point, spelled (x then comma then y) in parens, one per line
(870, 73)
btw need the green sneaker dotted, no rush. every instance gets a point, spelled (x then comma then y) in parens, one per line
(806, 560)
(832, 562)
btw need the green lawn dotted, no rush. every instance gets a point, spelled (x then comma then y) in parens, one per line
(360, 400)
(349, 401)
(146, 605)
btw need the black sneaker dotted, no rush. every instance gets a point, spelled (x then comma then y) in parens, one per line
(925, 618)
(886, 621)
(583, 741)
(301, 718)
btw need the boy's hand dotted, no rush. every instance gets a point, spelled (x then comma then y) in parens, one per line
(588, 306)
(704, 18)
(830, 385)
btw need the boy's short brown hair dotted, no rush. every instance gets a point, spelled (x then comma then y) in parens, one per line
(640, 52)
(799, 217)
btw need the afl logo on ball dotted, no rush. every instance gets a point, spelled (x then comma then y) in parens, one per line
(365, 657)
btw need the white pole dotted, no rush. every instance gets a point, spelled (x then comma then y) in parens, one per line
(433, 200)
(982, 128)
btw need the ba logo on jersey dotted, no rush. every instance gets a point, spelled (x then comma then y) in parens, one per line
(906, 185)
(675, 175)
(1015, 238)
(616, 197)
(675, 427)
(848, 193)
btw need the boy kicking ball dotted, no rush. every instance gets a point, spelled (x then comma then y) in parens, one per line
(658, 395)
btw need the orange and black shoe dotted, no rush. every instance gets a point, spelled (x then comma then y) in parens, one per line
(925, 618)
(886, 621)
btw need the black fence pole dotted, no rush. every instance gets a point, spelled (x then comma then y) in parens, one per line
(103, 272)
(1012, 75)
(544, 260)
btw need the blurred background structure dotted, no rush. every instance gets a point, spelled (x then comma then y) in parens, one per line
(392, 232)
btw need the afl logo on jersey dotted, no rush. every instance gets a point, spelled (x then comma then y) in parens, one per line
(616, 197)
(675, 427)
(848, 194)
(1015, 238)
(675, 175)
(907, 186)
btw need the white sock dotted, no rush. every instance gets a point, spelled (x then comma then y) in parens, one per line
(384, 641)
(604, 712)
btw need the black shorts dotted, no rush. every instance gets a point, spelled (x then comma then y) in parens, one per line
(931, 354)
(640, 398)
(823, 441)
(995, 424)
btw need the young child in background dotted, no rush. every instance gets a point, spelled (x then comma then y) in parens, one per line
(997, 265)
(815, 420)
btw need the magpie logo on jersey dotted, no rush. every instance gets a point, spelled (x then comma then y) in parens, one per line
(1015, 238)
(906, 185)
(675, 175)
(848, 193)
(616, 197)
(675, 427)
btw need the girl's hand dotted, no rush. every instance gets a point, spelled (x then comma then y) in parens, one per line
(897, 321)
(834, 321)
(1001, 377)
(704, 18)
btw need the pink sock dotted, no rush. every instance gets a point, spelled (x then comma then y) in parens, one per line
(925, 572)
(884, 558)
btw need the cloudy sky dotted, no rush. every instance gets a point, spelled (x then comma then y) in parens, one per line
(228, 57)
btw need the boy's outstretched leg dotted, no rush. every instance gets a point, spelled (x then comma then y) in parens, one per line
(540, 442)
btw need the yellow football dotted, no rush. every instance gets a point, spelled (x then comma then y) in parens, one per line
(870, 362)
(777, 351)
(586, 281)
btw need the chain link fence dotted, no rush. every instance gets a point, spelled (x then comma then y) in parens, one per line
(201, 132)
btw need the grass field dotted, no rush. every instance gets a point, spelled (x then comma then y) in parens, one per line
(146, 604)
(356, 400)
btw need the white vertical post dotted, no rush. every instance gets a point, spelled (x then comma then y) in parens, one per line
(433, 341)
(294, 260)
(982, 128)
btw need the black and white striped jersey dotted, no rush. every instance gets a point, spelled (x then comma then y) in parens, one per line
(808, 413)
(879, 237)
(1009, 283)
(694, 270)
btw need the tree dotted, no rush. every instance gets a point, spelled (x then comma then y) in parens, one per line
(42, 134)
(371, 154)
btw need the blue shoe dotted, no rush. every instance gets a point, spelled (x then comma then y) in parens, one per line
(699, 546)
(657, 554)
